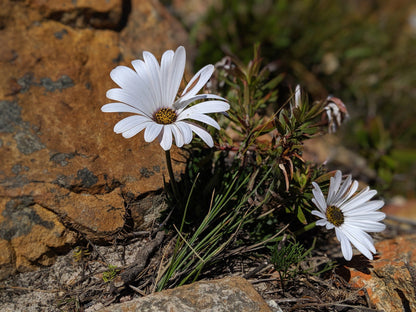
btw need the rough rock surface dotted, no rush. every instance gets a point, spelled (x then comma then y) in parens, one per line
(390, 279)
(54, 288)
(229, 294)
(76, 280)
(401, 209)
(63, 171)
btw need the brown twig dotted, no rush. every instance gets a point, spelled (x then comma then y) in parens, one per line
(336, 304)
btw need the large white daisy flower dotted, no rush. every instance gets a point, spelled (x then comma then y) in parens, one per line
(149, 91)
(352, 215)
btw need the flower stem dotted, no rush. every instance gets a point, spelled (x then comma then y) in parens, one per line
(306, 228)
(172, 176)
(175, 189)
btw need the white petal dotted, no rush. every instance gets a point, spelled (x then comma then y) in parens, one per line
(297, 96)
(329, 226)
(366, 225)
(133, 131)
(358, 214)
(165, 72)
(165, 138)
(144, 72)
(315, 185)
(319, 214)
(207, 107)
(152, 131)
(186, 131)
(123, 96)
(166, 62)
(359, 199)
(319, 198)
(345, 244)
(321, 222)
(330, 122)
(140, 67)
(378, 227)
(368, 241)
(202, 118)
(179, 140)
(180, 103)
(129, 122)
(333, 187)
(359, 241)
(198, 81)
(119, 108)
(342, 190)
(351, 191)
(202, 133)
(175, 75)
(133, 83)
(367, 207)
(154, 75)
(125, 77)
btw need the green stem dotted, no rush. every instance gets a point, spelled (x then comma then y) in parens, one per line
(176, 194)
(172, 176)
(173, 262)
(306, 228)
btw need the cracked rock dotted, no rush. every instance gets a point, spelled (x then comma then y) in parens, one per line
(56, 146)
(390, 279)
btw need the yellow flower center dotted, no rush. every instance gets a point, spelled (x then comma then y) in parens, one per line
(165, 116)
(334, 215)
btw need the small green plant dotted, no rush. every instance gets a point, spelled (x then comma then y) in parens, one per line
(286, 259)
(80, 253)
(111, 273)
(260, 163)
(254, 183)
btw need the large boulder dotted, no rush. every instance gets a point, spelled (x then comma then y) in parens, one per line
(229, 294)
(64, 173)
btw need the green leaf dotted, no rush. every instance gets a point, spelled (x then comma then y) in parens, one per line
(301, 216)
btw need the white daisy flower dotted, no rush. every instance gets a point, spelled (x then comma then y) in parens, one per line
(149, 91)
(297, 99)
(352, 215)
(336, 113)
(297, 96)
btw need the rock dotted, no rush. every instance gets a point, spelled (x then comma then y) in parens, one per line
(229, 294)
(28, 235)
(151, 27)
(82, 13)
(63, 169)
(192, 11)
(400, 208)
(390, 279)
(51, 289)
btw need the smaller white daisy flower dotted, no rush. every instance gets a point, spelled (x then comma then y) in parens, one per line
(352, 215)
(149, 91)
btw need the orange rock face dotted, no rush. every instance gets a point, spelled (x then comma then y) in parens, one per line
(63, 171)
(390, 279)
